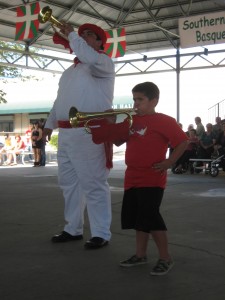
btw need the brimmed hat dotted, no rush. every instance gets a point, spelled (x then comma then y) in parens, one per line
(96, 29)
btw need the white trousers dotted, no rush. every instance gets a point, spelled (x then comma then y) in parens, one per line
(83, 180)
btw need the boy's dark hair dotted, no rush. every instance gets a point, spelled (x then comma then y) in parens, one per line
(149, 89)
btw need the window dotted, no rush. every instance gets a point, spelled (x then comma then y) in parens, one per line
(6, 126)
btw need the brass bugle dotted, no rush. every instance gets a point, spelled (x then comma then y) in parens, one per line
(76, 117)
(45, 15)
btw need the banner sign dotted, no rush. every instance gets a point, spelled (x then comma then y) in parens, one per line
(202, 30)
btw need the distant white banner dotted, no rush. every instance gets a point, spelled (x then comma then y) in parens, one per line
(202, 30)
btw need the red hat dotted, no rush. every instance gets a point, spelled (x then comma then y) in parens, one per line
(96, 29)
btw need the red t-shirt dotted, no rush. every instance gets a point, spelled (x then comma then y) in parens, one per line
(147, 145)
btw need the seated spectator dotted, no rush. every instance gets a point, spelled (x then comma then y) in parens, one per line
(220, 146)
(207, 142)
(6, 148)
(190, 152)
(16, 150)
(218, 127)
(190, 126)
(220, 142)
(200, 129)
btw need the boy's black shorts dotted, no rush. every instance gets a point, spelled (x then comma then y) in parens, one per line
(140, 209)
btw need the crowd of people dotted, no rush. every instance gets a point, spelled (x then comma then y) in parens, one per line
(32, 142)
(204, 142)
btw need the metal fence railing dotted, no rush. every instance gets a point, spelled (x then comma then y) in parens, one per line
(217, 110)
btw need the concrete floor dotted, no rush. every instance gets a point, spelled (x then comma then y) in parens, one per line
(32, 268)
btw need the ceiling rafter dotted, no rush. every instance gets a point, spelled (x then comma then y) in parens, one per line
(158, 26)
(125, 14)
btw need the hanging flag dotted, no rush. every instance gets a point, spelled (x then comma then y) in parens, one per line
(116, 42)
(27, 23)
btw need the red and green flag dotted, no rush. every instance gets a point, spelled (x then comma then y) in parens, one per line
(27, 23)
(116, 42)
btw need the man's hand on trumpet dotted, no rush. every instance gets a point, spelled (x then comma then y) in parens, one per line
(111, 119)
(66, 28)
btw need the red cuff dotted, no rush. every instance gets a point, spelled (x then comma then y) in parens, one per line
(58, 39)
(111, 133)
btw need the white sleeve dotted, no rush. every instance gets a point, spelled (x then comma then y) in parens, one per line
(51, 122)
(101, 64)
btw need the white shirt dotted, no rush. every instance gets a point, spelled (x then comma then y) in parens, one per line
(88, 86)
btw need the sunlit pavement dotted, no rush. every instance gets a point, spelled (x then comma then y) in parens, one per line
(34, 268)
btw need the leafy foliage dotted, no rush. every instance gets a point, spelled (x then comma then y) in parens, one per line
(54, 141)
(2, 95)
(7, 56)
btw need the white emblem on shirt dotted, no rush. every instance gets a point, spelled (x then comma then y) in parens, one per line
(139, 132)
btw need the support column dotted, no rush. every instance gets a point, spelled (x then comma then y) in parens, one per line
(178, 83)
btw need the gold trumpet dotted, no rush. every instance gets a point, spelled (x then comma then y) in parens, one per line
(45, 15)
(76, 117)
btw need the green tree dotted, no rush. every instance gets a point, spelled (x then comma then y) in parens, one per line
(2, 95)
(8, 56)
(54, 141)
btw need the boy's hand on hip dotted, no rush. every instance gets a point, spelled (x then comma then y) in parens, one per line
(162, 166)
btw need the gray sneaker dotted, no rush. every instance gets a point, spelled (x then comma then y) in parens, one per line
(162, 267)
(134, 261)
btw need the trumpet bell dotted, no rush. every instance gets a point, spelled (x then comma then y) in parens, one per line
(73, 116)
(45, 15)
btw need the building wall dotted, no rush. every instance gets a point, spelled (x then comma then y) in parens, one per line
(21, 123)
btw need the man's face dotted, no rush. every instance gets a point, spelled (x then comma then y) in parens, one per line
(192, 133)
(218, 120)
(209, 127)
(91, 39)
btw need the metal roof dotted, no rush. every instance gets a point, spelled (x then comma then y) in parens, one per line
(149, 24)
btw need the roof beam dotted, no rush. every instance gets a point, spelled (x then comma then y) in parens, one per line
(26, 57)
(158, 24)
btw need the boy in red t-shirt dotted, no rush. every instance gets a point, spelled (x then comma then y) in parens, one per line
(146, 173)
